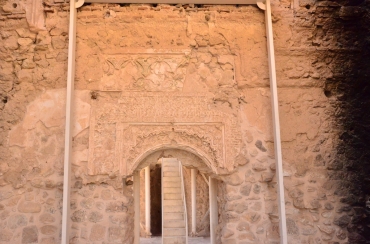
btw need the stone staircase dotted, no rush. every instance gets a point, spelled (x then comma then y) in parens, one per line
(174, 220)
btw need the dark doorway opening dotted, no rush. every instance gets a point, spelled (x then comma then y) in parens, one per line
(156, 201)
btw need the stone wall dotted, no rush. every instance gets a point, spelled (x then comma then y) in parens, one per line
(184, 49)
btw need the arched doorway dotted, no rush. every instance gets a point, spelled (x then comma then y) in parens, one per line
(199, 188)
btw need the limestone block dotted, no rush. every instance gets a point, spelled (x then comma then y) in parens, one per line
(6, 71)
(252, 217)
(5, 235)
(30, 234)
(248, 235)
(292, 227)
(226, 233)
(259, 167)
(246, 189)
(341, 234)
(114, 233)
(5, 195)
(29, 207)
(260, 146)
(267, 176)
(342, 221)
(18, 220)
(229, 241)
(97, 232)
(48, 240)
(24, 75)
(11, 43)
(43, 39)
(256, 188)
(106, 194)
(62, 56)
(100, 205)
(243, 226)
(79, 216)
(50, 201)
(232, 217)
(25, 42)
(250, 176)
(95, 216)
(4, 214)
(58, 42)
(46, 218)
(87, 203)
(116, 206)
(241, 159)
(238, 207)
(48, 229)
(118, 219)
(256, 206)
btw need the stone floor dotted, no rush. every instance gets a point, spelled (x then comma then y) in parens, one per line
(191, 240)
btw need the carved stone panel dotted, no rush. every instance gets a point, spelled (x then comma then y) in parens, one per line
(124, 127)
(145, 72)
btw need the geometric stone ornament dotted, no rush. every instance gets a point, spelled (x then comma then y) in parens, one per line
(127, 127)
(150, 70)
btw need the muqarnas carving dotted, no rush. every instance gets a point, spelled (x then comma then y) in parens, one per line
(126, 127)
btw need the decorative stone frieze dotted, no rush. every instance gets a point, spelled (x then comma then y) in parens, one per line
(126, 127)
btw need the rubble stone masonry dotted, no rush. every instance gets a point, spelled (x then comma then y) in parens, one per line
(210, 60)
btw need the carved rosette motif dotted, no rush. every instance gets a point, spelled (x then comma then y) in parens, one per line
(124, 129)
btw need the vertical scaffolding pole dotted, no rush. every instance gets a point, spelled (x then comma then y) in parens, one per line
(68, 124)
(276, 124)
(136, 207)
(147, 200)
(193, 176)
(213, 208)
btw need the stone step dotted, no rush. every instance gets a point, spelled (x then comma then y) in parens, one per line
(172, 196)
(170, 232)
(169, 216)
(171, 190)
(171, 184)
(170, 168)
(174, 223)
(170, 164)
(174, 240)
(174, 209)
(171, 178)
(172, 203)
(171, 173)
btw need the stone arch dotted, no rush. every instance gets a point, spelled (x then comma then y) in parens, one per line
(182, 152)
(190, 158)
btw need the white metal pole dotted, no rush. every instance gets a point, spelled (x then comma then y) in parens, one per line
(147, 200)
(137, 207)
(68, 124)
(213, 213)
(276, 124)
(193, 174)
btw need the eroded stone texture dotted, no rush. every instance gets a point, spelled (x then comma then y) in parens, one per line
(30, 234)
(172, 78)
(29, 207)
(97, 232)
(16, 221)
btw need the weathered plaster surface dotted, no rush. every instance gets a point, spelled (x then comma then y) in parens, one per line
(217, 52)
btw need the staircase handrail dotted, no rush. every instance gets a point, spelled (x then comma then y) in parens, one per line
(162, 196)
(184, 200)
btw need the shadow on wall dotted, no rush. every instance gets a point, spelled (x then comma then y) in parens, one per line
(350, 84)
